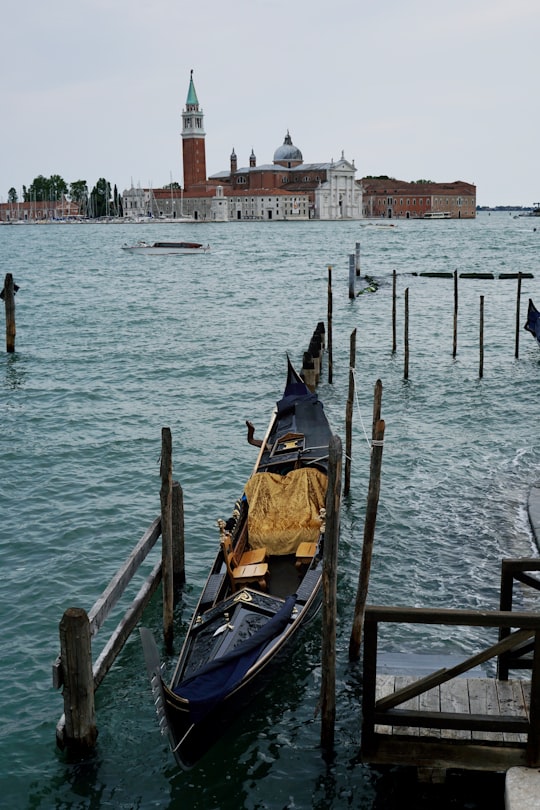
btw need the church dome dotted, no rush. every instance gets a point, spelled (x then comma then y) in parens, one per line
(288, 152)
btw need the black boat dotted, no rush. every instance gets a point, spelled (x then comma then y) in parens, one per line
(533, 321)
(265, 583)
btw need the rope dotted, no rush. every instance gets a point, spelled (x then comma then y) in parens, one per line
(368, 441)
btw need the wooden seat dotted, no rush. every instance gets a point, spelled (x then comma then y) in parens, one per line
(242, 573)
(304, 554)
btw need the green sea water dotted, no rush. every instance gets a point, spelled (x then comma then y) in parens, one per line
(111, 347)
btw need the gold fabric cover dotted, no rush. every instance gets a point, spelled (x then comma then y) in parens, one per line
(284, 509)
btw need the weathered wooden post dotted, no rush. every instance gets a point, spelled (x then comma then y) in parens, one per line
(516, 351)
(329, 321)
(349, 414)
(315, 351)
(80, 732)
(329, 607)
(454, 345)
(406, 336)
(394, 341)
(351, 275)
(308, 371)
(179, 567)
(377, 400)
(167, 580)
(357, 258)
(367, 549)
(8, 294)
(481, 369)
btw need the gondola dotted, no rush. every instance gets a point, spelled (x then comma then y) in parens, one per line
(533, 321)
(264, 585)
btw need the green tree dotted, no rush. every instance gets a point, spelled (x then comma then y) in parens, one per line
(78, 191)
(46, 189)
(100, 199)
(12, 195)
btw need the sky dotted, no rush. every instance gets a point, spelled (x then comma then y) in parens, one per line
(414, 90)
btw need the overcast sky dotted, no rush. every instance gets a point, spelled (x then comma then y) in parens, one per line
(419, 89)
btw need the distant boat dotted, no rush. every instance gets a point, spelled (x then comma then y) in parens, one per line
(437, 215)
(166, 247)
(533, 321)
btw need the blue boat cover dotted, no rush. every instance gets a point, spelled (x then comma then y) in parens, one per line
(533, 321)
(213, 682)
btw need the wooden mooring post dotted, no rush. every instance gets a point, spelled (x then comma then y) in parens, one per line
(518, 317)
(481, 363)
(394, 339)
(454, 345)
(406, 337)
(369, 534)
(78, 682)
(357, 254)
(349, 414)
(351, 275)
(167, 577)
(329, 606)
(329, 326)
(8, 294)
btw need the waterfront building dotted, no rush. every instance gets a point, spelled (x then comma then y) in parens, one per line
(394, 199)
(286, 189)
(39, 211)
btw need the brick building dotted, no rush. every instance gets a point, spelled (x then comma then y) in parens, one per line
(394, 199)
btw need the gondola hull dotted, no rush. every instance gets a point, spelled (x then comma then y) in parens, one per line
(251, 613)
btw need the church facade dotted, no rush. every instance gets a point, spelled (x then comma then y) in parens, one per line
(286, 189)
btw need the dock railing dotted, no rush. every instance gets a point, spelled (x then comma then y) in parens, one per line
(74, 670)
(518, 570)
(518, 626)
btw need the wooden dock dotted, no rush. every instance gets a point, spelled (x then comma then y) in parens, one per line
(505, 703)
(446, 720)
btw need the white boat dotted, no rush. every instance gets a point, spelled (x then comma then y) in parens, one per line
(437, 215)
(166, 247)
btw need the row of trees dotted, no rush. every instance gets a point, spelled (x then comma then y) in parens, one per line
(100, 202)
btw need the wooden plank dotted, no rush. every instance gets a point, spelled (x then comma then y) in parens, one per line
(442, 675)
(430, 701)
(401, 682)
(385, 685)
(428, 753)
(510, 696)
(483, 700)
(118, 583)
(455, 699)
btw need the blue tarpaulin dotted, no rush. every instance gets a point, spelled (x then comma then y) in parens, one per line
(213, 682)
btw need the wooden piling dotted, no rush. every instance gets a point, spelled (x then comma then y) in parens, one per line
(406, 336)
(518, 317)
(178, 555)
(329, 606)
(349, 414)
(394, 341)
(329, 323)
(357, 253)
(481, 368)
(320, 330)
(308, 371)
(166, 537)
(9, 300)
(351, 275)
(367, 549)
(377, 401)
(454, 345)
(79, 732)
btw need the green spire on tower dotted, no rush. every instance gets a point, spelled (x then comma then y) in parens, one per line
(192, 99)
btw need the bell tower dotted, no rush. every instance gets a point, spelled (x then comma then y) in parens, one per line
(193, 143)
